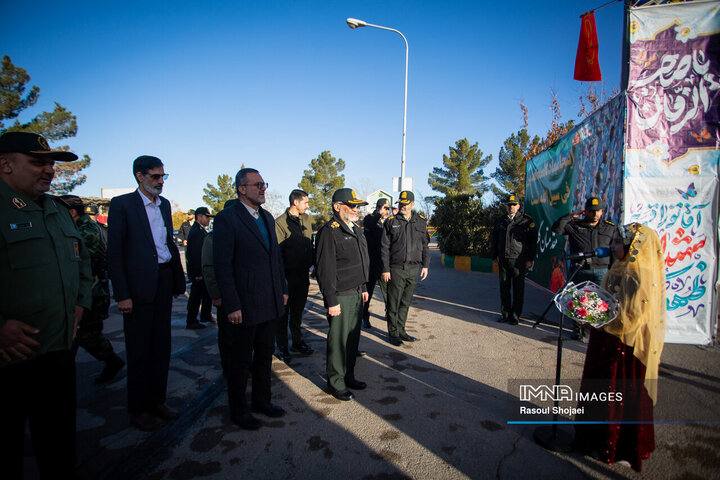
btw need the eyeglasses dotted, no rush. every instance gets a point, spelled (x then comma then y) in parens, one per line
(259, 185)
(352, 206)
(158, 176)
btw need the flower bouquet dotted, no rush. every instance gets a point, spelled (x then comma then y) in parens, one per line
(587, 303)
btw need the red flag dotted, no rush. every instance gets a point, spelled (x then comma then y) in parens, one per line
(587, 66)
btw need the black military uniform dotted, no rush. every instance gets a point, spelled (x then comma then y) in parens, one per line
(373, 229)
(514, 241)
(341, 262)
(199, 296)
(404, 251)
(583, 237)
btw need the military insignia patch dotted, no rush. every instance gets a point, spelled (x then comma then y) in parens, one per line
(76, 249)
(595, 201)
(334, 225)
(43, 143)
(19, 202)
(532, 225)
(19, 226)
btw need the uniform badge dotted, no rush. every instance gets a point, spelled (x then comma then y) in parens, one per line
(76, 249)
(19, 202)
(20, 226)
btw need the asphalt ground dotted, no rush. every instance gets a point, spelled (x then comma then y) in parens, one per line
(437, 408)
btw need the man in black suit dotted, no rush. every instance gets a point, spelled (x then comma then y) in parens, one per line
(193, 257)
(146, 272)
(185, 227)
(249, 272)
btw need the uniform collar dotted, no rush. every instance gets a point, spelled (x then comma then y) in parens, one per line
(20, 201)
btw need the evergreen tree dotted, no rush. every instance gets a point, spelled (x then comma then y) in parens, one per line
(320, 182)
(216, 196)
(463, 172)
(56, 125)
(514, 154)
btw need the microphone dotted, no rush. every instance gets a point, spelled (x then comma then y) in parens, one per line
(598, 252)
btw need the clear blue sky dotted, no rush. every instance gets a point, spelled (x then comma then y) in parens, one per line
(207, 86)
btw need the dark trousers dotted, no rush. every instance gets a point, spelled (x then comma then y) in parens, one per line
(199, 294)
(298, 286)
(89, 333)
(147, 347)
(249, 350)
(370, 287)
(342, 341)
(400, 291)
(512, 274)
(40, 390)
(223, 340)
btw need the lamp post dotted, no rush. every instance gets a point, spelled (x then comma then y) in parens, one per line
(355, 23)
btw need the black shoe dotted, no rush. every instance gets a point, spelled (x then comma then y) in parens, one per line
(145, 422)
(283, 354)
(162, 411)
(195, 326)
(247, 422)
(269, 410)
(513, 321)
(302, 349)
(207, 320)
(344, 395)
(112, 366)
(355, 384)
(366, 324)
(502, 320)
(360, 353)
(407, 338)
(395, 341)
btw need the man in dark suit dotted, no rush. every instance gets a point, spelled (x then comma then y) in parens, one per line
(185, 227)
(146, 272)
(193, 257)
(249, 273)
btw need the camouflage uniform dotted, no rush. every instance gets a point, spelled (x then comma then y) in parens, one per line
(89, 335)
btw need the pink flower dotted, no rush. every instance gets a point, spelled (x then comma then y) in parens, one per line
(603, 307)
(584, 301)
(571, 305)
(581, 312)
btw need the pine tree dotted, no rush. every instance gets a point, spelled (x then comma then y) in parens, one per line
(320, 182)
(56, 125)
(216, 196)
(463, 172)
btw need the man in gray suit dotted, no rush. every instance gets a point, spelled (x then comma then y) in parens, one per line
(250, 275)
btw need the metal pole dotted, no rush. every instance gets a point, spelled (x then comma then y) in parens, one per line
(407, 52)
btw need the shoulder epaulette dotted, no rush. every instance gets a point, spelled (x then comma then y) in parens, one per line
(357, 224)
(575, 220)
(391, 217)
(422, 216)
(609, 223)
(528, 216)
(334, 224)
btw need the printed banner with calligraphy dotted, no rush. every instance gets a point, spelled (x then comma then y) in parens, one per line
(585, 162)
(672, 153)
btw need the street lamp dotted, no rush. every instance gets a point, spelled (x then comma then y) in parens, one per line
(355, 23)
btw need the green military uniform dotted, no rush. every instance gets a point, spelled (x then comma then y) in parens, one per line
(342, 262)
(44, 266)
(404, 250)
(208, 274)
(294, 234)
(45, 274)
(89, 335)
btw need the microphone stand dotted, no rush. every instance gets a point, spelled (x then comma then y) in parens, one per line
(552, 301)
(549, 436)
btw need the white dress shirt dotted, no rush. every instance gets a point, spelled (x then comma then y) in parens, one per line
(157, 227)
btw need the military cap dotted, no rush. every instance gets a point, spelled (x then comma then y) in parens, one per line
(347, 196)
(191, 212)
(512, 200)
(594, 203)
(32, 144)
(203, 211)
(381, 202)
(406, 197)
(92, 209)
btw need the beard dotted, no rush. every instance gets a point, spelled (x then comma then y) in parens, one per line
(153, 189)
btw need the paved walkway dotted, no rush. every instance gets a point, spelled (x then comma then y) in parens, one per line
(434, 409)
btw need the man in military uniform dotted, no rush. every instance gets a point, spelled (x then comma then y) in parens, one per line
(90, 336)
(184, 230)
(405, 255)
(513, 244)
(585, 235)
(208, 274)
(294, 234)
(92, 211)
(46, 283)
(193, 259)
(341, 262)
(373, 229)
